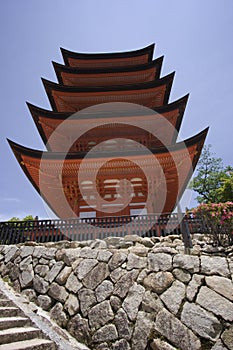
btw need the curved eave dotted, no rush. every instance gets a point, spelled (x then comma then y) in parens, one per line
(51, 86)
(60, 68)
(38, 113)
(66, 54)
(20, 150)
(18, 156)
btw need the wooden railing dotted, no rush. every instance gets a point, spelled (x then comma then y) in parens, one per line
(92, 228)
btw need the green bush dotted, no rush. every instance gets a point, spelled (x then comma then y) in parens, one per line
(217, 220)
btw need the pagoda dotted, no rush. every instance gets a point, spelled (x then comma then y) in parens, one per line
(110, 121)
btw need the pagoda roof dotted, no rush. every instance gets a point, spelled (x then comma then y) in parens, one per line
(98, 60)
(74, 76)
(69, 98)
(59, 170)
(47, 121)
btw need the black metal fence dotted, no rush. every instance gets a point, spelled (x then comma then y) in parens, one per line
(92, 228)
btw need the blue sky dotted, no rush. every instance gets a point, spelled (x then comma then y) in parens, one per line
(195, 36)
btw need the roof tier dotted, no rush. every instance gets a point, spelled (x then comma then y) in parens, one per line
(72, 76)
(115, 122)
(103, 60)
(55, 175)
(72, 99)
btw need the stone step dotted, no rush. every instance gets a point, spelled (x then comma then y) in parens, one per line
(12, 322)
(32, 344)
(6, 302)
(9, 311)
(18, 334)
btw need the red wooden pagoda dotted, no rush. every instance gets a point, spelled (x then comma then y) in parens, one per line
(119, 105)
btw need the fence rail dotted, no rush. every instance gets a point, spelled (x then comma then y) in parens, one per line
(92, 228)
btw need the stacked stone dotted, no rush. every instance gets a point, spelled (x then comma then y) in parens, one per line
(130, 293)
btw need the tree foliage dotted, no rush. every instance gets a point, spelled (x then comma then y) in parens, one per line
(214, 182)
(27, 218)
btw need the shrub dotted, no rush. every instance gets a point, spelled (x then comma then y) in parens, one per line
(217, 220)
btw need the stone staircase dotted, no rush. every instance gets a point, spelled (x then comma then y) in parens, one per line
(17, 331)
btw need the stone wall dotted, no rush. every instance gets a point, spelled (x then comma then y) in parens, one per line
(130, 293)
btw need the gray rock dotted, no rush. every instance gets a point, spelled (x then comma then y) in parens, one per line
(151, 303)
(159, 262)
(158, 344)
(11, 253)
(78, 328)
(158, 282)
(116, 274)
(43, 261)
(73, 284)
(72, 305)
(160, 249)
(103, 346)
(124, 283)
(202, 322)
(98, 244)
(133, 301)
(44, 301)
(14, 273)
(58, 292)
(26, 277)
(221, 285)
(100, 314)
(52, 274)
(104, 255)
(87, 299)
(170, 327)
(142, 274)
(96, 276)
(214, 265)
(105, 333)
(121, 345)
(88, 253)
(70, 255)
(215, 303)
(40, 285)
(115, 303)
(117, 260)
(26, 251)
(52, 262)
(30, 294)
(193, 286)
(219, 346)
(227, 338)
(58, 315)
(25, 263)
(41, 270)
(142, 330)
(190, 263)
(104, 290)
(139, 250)
(84, 267)
(63, 275)
(123, 325)
(136, 262)
(182, 275)
(174, 296)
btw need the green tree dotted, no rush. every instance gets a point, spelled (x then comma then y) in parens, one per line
(213, 182)
(27, 218)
